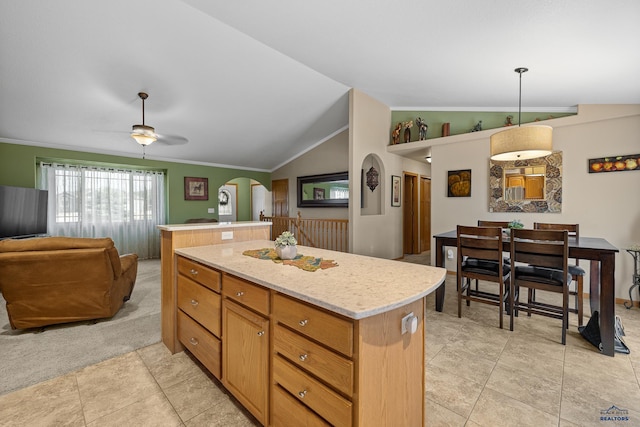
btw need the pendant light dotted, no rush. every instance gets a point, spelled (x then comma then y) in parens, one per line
(521, 143)
(144, 135)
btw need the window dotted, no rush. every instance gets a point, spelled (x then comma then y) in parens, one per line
(339, 193)
(88, 201)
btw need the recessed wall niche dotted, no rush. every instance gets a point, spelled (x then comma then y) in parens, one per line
(545, 175)
(371, 200)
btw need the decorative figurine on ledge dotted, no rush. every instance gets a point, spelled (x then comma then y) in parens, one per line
(509, 121)
(422, 129)
(395, 135)
(477, 127)
(407, 130)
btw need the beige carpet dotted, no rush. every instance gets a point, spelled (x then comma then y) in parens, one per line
(30, 356)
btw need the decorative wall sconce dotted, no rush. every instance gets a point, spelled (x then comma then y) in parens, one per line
(372, 178)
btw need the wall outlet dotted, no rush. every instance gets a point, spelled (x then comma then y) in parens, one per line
(409, 323)
(211, 210)
(227, 235)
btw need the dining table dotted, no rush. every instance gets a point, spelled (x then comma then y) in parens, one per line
(598, 251)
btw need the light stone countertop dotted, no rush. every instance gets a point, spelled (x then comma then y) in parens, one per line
(200, 225)
(359, 287)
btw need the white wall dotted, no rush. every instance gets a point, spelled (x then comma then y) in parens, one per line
(604, 204)
(369, 124)
(328, 157)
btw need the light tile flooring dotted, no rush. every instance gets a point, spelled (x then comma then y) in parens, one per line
(477, 375)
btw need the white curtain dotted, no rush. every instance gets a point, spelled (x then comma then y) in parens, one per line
(125, 205)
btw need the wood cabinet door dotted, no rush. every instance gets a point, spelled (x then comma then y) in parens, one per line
(515, 181)
(534, 187)
(245, 366)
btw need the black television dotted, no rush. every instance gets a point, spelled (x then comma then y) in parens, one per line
(23, 212)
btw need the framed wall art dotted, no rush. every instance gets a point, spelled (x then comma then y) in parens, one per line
(396, 190)
(459, 183)
(196, 188)
(615, 163)
(318, 193)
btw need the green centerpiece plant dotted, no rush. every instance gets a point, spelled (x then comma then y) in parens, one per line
(513, 224)
(286, 245)
(516, 224)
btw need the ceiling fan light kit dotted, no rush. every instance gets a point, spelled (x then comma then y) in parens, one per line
(143, 134)
(521, 143)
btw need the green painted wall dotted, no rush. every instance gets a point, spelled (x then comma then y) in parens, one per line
(244, 198)
(462, 121)
(18, 168)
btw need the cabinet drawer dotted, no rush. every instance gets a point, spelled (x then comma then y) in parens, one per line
(246, 293)
(325, 364)
(320, 398)
(288, 412)
(333, 331)
(200, 303)
(200, 342)
(204, 275)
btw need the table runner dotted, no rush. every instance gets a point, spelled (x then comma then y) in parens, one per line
(303, 262)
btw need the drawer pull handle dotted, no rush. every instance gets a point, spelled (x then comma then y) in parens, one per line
(303, 357)
(193, 341)
(194, 272)
(194, 303)
(239, 293)
(302, 394)
(303, 322)
(261, 333)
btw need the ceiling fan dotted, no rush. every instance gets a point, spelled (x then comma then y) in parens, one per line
(145, 135)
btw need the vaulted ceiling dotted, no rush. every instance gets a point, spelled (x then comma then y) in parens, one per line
(254, 83)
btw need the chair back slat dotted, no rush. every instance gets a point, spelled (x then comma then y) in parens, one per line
(501, 224)
(480, 242)
(543, 248)
(572, 229)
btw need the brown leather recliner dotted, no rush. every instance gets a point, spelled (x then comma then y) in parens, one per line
(51, 280)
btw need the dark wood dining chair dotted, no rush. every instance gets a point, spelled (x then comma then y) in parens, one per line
(544, 254)
(577, 272)
(480, 258)
(501, 225)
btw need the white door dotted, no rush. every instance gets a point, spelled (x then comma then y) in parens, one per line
(260, 201)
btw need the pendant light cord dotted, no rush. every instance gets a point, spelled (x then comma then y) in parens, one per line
(518, 70)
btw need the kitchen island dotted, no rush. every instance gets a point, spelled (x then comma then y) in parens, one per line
(342, 345)
(174, 236)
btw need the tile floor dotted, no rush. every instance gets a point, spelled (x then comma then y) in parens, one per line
(477, 375)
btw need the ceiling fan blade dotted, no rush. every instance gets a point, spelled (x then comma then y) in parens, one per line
(171, 139)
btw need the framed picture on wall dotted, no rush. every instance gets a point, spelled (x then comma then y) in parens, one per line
(396, 190)
(196, 188)
(318, 193)
(459, 183)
